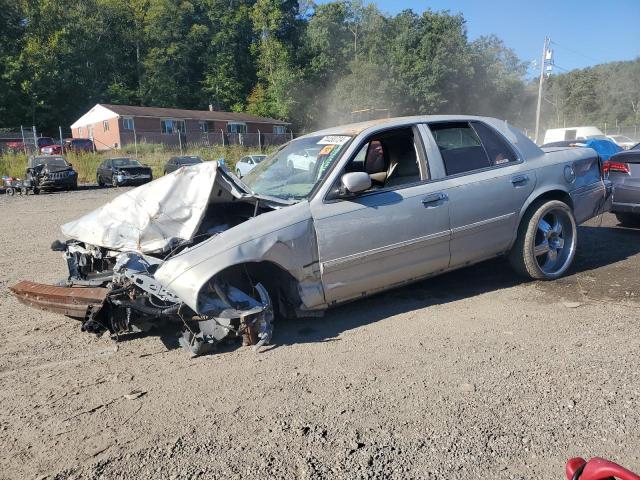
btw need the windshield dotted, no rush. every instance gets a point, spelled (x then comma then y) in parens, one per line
(292, 172)
(54, 162)
(126, 162)
(188, 160)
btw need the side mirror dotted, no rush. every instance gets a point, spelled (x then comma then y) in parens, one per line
(355, 182)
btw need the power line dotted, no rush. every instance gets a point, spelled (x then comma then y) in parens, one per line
(578, 53)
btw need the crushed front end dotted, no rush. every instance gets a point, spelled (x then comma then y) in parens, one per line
(113, 253)
(117, 293)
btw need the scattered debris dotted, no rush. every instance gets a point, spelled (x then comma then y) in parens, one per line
(572, 304)
(132, 395)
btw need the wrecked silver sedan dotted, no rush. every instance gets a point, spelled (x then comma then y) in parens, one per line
(376, 205)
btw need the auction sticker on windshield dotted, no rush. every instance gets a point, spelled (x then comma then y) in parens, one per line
(334, 140)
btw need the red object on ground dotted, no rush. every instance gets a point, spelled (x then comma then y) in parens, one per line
(596, 469)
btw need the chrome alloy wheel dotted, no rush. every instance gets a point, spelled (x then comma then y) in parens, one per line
(555, 242)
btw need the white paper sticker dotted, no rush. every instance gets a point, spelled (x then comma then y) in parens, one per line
(334, 140)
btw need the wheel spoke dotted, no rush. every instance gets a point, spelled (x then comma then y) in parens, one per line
(552, 256)
(557, 227)
(541, 248)
(544, 227)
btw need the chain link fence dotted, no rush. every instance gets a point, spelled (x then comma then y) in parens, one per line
(180, 142)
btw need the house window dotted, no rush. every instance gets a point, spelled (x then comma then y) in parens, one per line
(170, 125)
(204, 127)
(105, 126)
(236, 127)
(279, 129)
(127, 123)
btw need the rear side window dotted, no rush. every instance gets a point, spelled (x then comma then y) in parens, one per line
(460, 147)
(497, 148)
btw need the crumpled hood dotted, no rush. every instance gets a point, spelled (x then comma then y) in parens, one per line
(154, 216)
(55, 168)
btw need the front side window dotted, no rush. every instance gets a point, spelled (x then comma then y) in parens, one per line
(127, 123)
(459, 146)
(295, 170)
(390, 158)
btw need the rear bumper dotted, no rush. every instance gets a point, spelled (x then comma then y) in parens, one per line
(71, 301)
(626, 198)
(626, 208)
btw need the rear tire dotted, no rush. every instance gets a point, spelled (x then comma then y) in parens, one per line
(628, 219)
(546, 243)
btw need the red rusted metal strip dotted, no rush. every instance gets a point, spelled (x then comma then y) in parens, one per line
(71, 301)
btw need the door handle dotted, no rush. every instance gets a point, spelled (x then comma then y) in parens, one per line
(520, 180)
(434, 200)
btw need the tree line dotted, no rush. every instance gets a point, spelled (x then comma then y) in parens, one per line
(313, 65)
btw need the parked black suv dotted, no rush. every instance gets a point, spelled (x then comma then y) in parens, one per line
(122, 171)
(175, 163)
(51, 172)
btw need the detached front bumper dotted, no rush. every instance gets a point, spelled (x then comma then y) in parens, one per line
(76, 302)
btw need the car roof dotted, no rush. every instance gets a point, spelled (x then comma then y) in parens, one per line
(524, 144)
(359, 127)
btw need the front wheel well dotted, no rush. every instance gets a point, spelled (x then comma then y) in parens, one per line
(280, 284)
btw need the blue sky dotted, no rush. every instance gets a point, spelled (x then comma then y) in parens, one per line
(586, 32)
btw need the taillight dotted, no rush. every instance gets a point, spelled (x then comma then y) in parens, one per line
(610, 166)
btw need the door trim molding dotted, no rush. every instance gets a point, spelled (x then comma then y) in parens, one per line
(381, 252)
(479, 226)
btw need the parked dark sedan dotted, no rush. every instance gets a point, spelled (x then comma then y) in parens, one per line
(122, 171)
(175, 163)
(79, 145)
(624, 172)
(51, 172)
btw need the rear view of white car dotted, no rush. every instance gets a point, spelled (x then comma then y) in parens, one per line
(248, 163)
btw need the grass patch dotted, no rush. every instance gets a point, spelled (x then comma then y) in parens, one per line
(154, 155)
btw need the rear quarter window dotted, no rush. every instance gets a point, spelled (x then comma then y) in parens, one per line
(460, 147)
(498, 149)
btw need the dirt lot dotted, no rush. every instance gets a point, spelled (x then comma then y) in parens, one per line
(474, 374)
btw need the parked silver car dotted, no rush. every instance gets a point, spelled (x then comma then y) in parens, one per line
(248, 163)
(387, 203)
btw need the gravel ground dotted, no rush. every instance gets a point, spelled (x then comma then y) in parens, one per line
(474, 374)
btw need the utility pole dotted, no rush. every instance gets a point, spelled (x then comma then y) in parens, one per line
(542, 64)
